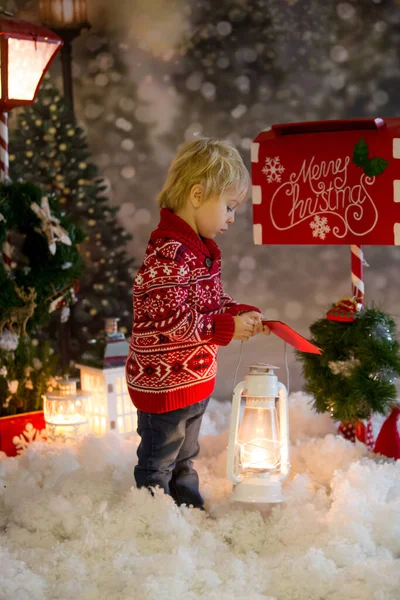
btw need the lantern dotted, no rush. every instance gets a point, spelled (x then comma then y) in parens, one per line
(26, 52)
(65, 412)
(258, 449)
(110, 407)
(64, 14)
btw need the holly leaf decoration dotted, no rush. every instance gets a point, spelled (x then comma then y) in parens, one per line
(360, 154)
(375, 166)
(372, 166)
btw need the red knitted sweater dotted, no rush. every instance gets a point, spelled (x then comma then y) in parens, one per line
(181, 316)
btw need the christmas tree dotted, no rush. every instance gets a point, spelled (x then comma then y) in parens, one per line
(50, 149)
(38, 272)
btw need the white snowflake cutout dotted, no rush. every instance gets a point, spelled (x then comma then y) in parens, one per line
(28, 436)
(320, 227)
(273, 169)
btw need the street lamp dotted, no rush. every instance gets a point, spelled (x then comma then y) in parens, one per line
(26, 52)
(67, 18)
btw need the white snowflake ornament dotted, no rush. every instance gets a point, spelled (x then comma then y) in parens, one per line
(320, 227)
(273, 169)
(28, 436)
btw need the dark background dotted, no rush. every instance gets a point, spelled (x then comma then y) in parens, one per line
(151, 73)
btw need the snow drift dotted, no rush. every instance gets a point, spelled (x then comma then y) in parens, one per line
(73, 526)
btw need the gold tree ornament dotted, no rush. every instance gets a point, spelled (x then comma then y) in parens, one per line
(20, 315)
(50, 225)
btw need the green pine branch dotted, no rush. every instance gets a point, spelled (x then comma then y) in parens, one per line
(355, 374)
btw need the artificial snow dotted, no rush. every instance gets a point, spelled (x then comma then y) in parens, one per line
(73, 526)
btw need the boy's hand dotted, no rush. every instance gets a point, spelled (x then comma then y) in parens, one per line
(244, 327)
(257, 318)
(259, 326)
(266, 330)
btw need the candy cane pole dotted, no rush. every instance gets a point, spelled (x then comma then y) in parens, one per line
(357, 273)
(3, 147)
(6, 248)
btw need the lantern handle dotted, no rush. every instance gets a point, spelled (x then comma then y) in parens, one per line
(284, 427)
(234, 425)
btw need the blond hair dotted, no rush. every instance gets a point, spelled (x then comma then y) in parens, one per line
(215, 164)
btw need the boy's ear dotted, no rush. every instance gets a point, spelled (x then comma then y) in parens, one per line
(196, 195)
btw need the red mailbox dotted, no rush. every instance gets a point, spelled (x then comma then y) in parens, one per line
(327, 182)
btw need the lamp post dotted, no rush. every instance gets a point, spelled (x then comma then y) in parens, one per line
(26, 52)
(67, 18)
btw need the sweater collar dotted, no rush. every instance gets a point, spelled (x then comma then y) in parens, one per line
(173, 226)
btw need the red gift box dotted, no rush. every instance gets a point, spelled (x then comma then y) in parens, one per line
(18, 431)
(327, 182)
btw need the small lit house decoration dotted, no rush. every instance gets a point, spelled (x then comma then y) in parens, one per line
(65, 412)
(258, 449)
(110, 407)
(26, 52)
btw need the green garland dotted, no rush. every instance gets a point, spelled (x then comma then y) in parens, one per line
(355, 374)
(27, 366)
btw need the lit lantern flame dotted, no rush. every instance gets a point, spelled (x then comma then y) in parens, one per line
(259, 439)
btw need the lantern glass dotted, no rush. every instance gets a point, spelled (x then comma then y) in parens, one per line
(63, 14)
(27, 60)
(65, 412)
(259, 439)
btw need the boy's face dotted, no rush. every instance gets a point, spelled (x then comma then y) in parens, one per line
(216, 213)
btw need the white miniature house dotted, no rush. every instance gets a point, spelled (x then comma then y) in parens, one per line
(109, 408)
